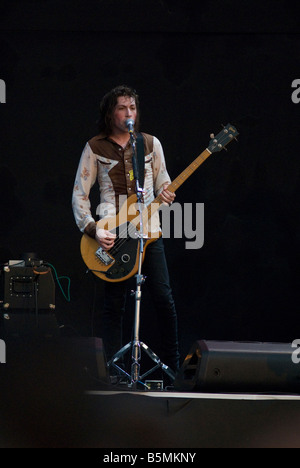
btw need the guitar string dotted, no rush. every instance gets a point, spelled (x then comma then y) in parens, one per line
(119, 242)
(130, 229)
(175, 183)
(183, 176)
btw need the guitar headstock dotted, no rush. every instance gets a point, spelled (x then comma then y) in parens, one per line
(217, 143)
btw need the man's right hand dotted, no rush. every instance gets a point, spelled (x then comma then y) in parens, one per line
(105, 239)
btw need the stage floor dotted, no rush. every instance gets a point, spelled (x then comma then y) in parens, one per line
(50, 399)
(201, 396)
(36, 415)
(192, 420)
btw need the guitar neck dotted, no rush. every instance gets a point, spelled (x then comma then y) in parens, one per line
(188, 171)
(179, 180)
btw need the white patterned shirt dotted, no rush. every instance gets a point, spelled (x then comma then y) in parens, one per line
(111, 165)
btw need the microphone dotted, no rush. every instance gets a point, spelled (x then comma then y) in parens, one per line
(130, 125)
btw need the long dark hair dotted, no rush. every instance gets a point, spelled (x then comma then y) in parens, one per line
(108, 104)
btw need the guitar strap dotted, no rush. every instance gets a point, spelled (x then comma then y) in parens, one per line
(140, 157)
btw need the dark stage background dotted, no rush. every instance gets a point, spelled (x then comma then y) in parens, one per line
(195, 66)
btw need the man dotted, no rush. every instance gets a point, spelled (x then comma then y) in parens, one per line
(108, 158)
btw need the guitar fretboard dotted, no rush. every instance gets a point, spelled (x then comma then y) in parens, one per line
(179, 181)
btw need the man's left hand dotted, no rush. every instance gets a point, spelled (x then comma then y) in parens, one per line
(167, 196)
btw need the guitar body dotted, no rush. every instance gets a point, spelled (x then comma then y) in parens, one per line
(121, 262)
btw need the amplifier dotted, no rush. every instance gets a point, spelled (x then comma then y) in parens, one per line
(28, 288)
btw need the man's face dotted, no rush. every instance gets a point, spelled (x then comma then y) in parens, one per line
(124, 109)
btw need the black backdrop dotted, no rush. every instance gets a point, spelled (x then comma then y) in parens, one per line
(195, 65)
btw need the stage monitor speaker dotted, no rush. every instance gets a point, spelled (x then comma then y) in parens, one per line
(225, 366)
(65, 359)
(86, 356)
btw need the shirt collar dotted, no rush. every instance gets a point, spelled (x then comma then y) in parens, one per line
(101, 136)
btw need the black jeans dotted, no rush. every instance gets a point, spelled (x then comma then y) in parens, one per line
(156, 270)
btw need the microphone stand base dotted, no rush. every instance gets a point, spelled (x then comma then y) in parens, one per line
(135, 382)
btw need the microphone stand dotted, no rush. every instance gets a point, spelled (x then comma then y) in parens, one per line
(140, 279)
(136, 345)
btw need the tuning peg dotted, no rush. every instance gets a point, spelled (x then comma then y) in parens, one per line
(212, 135)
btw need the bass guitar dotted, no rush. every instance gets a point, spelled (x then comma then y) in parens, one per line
(121, 261)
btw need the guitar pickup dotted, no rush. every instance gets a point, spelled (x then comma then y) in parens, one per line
(103, 256)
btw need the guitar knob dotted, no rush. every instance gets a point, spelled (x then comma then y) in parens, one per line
(125, 258)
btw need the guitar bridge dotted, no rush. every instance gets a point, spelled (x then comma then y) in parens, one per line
(103, 256)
